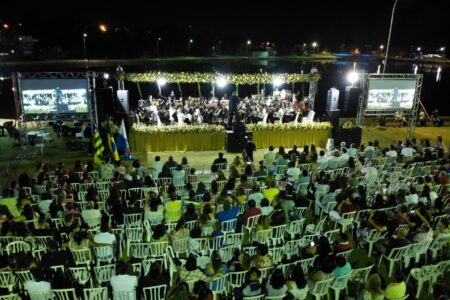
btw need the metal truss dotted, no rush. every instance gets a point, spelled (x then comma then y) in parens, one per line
(22, 120)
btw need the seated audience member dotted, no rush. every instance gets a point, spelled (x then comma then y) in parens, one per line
(123, 282)
(397, 288)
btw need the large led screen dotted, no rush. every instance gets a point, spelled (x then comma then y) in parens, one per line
(44, 96)
(391, 94)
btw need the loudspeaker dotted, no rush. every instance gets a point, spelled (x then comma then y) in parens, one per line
(332, 99)
(235, 141)
(351, 101)
(239, 127)
(333, 116)
(122, 104)
(105, 103)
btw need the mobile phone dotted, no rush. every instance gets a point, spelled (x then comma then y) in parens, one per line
(312, 244)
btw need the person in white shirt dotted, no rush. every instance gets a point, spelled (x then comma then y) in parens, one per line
(370, 151)
(392, 153)
(408, 151)
(105, 238)
(322, 160)
(424, 234)
(90, 213)
(156, 167)
(39, 288)
(178, 176)
(343, 159)
(333, 160)
(122, 283)
(352, 151)
(266, 208)
(412, 198)
(269, 157)
(257, 196)
(370, 173)
(292, 172)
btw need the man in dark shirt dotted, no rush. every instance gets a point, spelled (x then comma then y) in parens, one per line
(219, 160)
(250, 147)
(251, 211)
(294, 151)
(54, 256)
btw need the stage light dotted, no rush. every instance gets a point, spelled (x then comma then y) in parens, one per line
(191, 41)
(102, 27)
(161, 81)
(250, 42)
(221, 82)
(314, 44)
(277, 81)
(352, 77)
(105, 76)
(419, 49)
(85, 35)
(442, 49)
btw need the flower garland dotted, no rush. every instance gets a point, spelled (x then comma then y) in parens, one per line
(348, 125)
(290, 126)
(167, 129)
(199, 77)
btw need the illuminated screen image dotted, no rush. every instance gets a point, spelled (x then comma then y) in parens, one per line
(43, 96)
(391, 94)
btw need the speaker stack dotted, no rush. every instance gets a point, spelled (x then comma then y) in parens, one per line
(332, 108)
(235, 139)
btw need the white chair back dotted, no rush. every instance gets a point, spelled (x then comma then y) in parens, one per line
(80, 274)
(82, 256)
(157, 292)
(139, 250)
(132, 220)
(64, 294)
(104, 273)
(229, 226)
(17, 246)
(322, 287)
(100, 293)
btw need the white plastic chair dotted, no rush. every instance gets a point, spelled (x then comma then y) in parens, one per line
(422, 275)
(295, 228)
(18, 246)
(262, 236)
(219, 286)
(132, 220)
(236, 279)
(259, 297)
(345, 254)
(104, 254)
(276, 253)
(7, 280)
(82, 256)
(124, 295)
(252, 222)
(229, 226)
(10, 297)
(300, 294)
(181, 246)
(64, 294)
(339, 284)
(438, 244)
(371, 238)
(159, 249)
(234, 238)
(139, 250)
(157, 292)
(226, 253)
(360, 276)
(306, 263)
(277, 234)
(81, 274)
(104, 273)
(321, 288)
(394, 256)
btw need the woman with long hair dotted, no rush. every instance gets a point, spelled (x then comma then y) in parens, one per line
(373, 288)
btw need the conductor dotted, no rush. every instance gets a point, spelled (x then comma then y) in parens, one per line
(232, 109)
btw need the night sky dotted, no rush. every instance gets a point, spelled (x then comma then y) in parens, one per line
(133, 26)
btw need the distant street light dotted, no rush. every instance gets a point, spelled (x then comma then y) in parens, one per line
(102, 27)
(381, 47)
(352, 77)
(277, 81)
(191, 41)
(157, 45)
(84, 45)
(249, 42)
(221, 82)
(314, 44)
(419, 49)
(5, 26)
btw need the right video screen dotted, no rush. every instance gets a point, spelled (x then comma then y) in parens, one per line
(391, 94)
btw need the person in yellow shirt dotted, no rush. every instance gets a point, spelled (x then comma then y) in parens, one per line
(173, 210)
(397, 288)
(271, 192)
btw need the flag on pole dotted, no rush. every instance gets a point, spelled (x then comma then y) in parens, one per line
(98, 146)
(112, 143)
(122, 141)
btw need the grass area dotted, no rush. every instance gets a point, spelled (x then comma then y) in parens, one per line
(56, 151)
